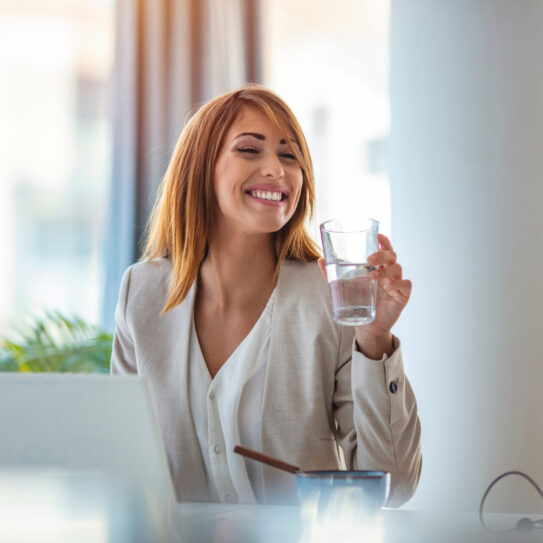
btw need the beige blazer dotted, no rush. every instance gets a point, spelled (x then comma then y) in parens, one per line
(319, 395)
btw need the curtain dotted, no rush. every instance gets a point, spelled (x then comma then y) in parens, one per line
(171, 56)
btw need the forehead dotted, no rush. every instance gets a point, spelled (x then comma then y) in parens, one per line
(253, 120)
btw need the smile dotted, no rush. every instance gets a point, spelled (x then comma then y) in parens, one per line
(267, 195)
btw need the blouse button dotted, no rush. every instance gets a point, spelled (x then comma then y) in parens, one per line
(393, 387)
(217, 449)
(211, 395)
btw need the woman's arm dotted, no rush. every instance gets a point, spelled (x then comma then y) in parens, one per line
(123, 358)
(377, 422)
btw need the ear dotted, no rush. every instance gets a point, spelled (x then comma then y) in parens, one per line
(322, 266)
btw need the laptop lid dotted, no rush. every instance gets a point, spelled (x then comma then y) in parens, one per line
(80, 422)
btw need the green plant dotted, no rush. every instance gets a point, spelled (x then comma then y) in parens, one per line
(55, 343)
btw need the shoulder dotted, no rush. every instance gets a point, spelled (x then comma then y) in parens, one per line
(302, 277)
(149, 272)
(301, 284)
(145, 285)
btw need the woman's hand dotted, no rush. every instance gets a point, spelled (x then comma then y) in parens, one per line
(393, 291)
(375, 339)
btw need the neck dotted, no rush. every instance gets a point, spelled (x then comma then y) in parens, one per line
(238, 270)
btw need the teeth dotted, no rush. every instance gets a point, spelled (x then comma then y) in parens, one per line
(266, 195)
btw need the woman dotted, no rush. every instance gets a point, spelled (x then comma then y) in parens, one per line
(229, 318)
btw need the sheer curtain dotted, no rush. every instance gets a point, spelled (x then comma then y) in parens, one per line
(171, 55)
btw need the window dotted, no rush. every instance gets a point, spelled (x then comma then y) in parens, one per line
(56, 59)
(329, 60)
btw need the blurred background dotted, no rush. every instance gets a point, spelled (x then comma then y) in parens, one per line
(56, 62)
(86, 130)
(425, 115)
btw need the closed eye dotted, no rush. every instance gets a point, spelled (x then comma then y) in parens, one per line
(290, 156)
(248, 149)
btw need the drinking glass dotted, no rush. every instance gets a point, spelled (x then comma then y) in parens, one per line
(342, 505)
(347, 245)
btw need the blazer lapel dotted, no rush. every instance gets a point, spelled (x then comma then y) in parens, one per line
(278, 486)
(188, 479)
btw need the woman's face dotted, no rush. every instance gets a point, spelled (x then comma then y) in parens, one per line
(257, 179)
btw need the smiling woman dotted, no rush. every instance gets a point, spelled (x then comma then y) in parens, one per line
(189, 195)
(229, 318)
(258, 179)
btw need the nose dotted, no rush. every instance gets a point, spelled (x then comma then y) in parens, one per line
(272, 167)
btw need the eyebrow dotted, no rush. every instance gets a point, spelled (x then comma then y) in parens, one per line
(260, 137)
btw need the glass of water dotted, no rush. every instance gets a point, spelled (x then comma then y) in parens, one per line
(347, 245)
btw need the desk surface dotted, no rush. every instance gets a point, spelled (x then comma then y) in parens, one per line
(218, 523)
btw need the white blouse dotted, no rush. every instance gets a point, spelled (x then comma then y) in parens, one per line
(228, 409)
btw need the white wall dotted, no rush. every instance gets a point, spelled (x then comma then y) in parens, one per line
(467, 222)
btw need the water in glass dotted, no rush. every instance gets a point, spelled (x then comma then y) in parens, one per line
(353, 292)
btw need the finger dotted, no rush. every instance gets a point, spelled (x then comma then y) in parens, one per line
(398, 289)
(322, 266)
(382, 258)
(394, 272)
(384, 242)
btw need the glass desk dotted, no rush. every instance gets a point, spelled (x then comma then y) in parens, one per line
(221, 523)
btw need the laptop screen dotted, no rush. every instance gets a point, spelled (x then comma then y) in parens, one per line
(90, 423)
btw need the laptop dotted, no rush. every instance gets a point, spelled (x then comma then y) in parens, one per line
(81, 427)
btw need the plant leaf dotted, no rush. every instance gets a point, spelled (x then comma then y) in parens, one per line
(57, 343)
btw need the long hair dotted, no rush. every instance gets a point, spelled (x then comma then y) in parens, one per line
(183, 215)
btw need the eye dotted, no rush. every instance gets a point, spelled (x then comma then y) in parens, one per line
(289, 156)
(248, 149)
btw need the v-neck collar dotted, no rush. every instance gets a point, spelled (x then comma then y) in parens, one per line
(266, 314)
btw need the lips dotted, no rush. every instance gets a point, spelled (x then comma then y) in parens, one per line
(269, 193)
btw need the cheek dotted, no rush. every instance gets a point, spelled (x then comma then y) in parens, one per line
(297, 185)
(221, 179)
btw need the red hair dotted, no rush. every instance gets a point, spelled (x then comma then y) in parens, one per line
(182, 217)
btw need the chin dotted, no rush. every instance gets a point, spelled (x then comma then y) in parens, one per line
(269, 226)
(268, 229)
(258, 224)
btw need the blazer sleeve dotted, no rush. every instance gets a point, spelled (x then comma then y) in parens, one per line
(123, 357)
(376, 418)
